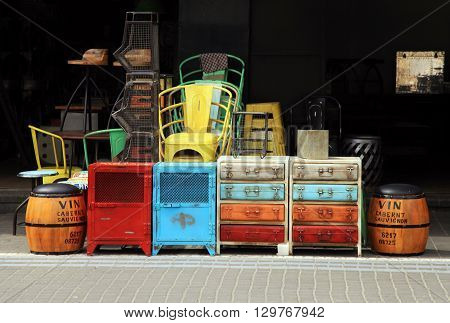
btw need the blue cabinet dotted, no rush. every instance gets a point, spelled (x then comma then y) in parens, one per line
(325, 192)
(184, 205)
(252, 191)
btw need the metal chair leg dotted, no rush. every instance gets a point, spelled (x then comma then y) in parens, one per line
(16, 214)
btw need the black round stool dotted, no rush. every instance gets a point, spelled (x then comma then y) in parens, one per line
(368, 148)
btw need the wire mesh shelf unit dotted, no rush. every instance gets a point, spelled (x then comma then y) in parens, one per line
(137, 115)
(139, 50)
(250, 134)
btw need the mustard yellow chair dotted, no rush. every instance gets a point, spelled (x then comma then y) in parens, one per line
(59, 156)
(194, 123)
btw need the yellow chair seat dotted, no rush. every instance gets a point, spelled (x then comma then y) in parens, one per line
(186, 138)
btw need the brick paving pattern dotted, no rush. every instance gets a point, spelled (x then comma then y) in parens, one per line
(190, 278)
(238, 275)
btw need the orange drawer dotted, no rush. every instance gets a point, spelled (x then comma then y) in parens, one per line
(325, 213)
(252, 212)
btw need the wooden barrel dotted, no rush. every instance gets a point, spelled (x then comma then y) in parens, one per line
(398, 220)
(56, 219)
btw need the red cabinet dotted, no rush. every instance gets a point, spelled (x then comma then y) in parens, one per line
(332, 234)
(119, 205)
(252, 233)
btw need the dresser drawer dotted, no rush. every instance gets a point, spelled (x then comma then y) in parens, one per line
(252, 233)
(325, 172)
(326, 192)
(337, 234)
(325, 213)
(251, 212)
(252, 171)
(252, 191)
(124, 223)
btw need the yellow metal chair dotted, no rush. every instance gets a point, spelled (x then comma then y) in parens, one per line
(200, 132)
(59, 154)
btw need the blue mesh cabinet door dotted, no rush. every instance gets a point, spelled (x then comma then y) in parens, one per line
(184, 210)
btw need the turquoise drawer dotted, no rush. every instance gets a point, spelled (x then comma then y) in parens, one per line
(327, 192)
(251, 191)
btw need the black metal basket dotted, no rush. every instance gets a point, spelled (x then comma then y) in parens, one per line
(140, 45)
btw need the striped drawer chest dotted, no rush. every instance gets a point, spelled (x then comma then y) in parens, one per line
(252, 206)
(325, 203)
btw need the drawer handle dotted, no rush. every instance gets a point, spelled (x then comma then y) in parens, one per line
(300, 211)
(248, 190)
(325, 215)
(300, 173)
(324, 236)
(349, 190)
(300, 235)
(350, 214)
(349, 235)
(300, 192)
(276, 189)
(275, 171)
(350, 170)
(229, 173)
(323, 172)
(253, 213)
(105, 219)
(129, 232)
(252, 234)
(228, 191)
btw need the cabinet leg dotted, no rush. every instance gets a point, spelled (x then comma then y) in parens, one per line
(155, 250)
(91, 248)
(211, 249)
(147, 249)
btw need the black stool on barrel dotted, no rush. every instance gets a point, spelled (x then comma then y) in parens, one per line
(398, 220)
(368, 148)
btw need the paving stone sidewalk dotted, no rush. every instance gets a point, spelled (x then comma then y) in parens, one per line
(234, 276)
(192, 278)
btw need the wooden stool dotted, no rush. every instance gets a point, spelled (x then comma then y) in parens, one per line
(36, 179)
(92, 57)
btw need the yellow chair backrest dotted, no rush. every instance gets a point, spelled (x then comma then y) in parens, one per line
(197, 108)
(54, 138)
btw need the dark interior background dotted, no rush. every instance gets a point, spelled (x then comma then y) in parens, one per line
(291, 48)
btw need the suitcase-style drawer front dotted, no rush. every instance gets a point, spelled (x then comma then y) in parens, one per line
(345, 234)
(332, 192)
(251, 212)
(252, 233)
(325, 213)
(325, 172)
(251, 191)
(252, 171)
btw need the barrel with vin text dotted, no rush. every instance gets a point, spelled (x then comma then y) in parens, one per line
(56, 219)
(398, 220)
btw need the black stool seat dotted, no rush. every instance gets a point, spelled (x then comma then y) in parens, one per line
(399, 190)
(55, 190)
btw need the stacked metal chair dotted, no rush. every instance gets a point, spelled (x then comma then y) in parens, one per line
(194, 131)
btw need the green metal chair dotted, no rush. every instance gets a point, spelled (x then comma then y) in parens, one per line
(231, 71)
(117, 141)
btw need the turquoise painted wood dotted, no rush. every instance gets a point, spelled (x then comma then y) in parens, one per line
(252, 191)
(184, 205)
(325, 192)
